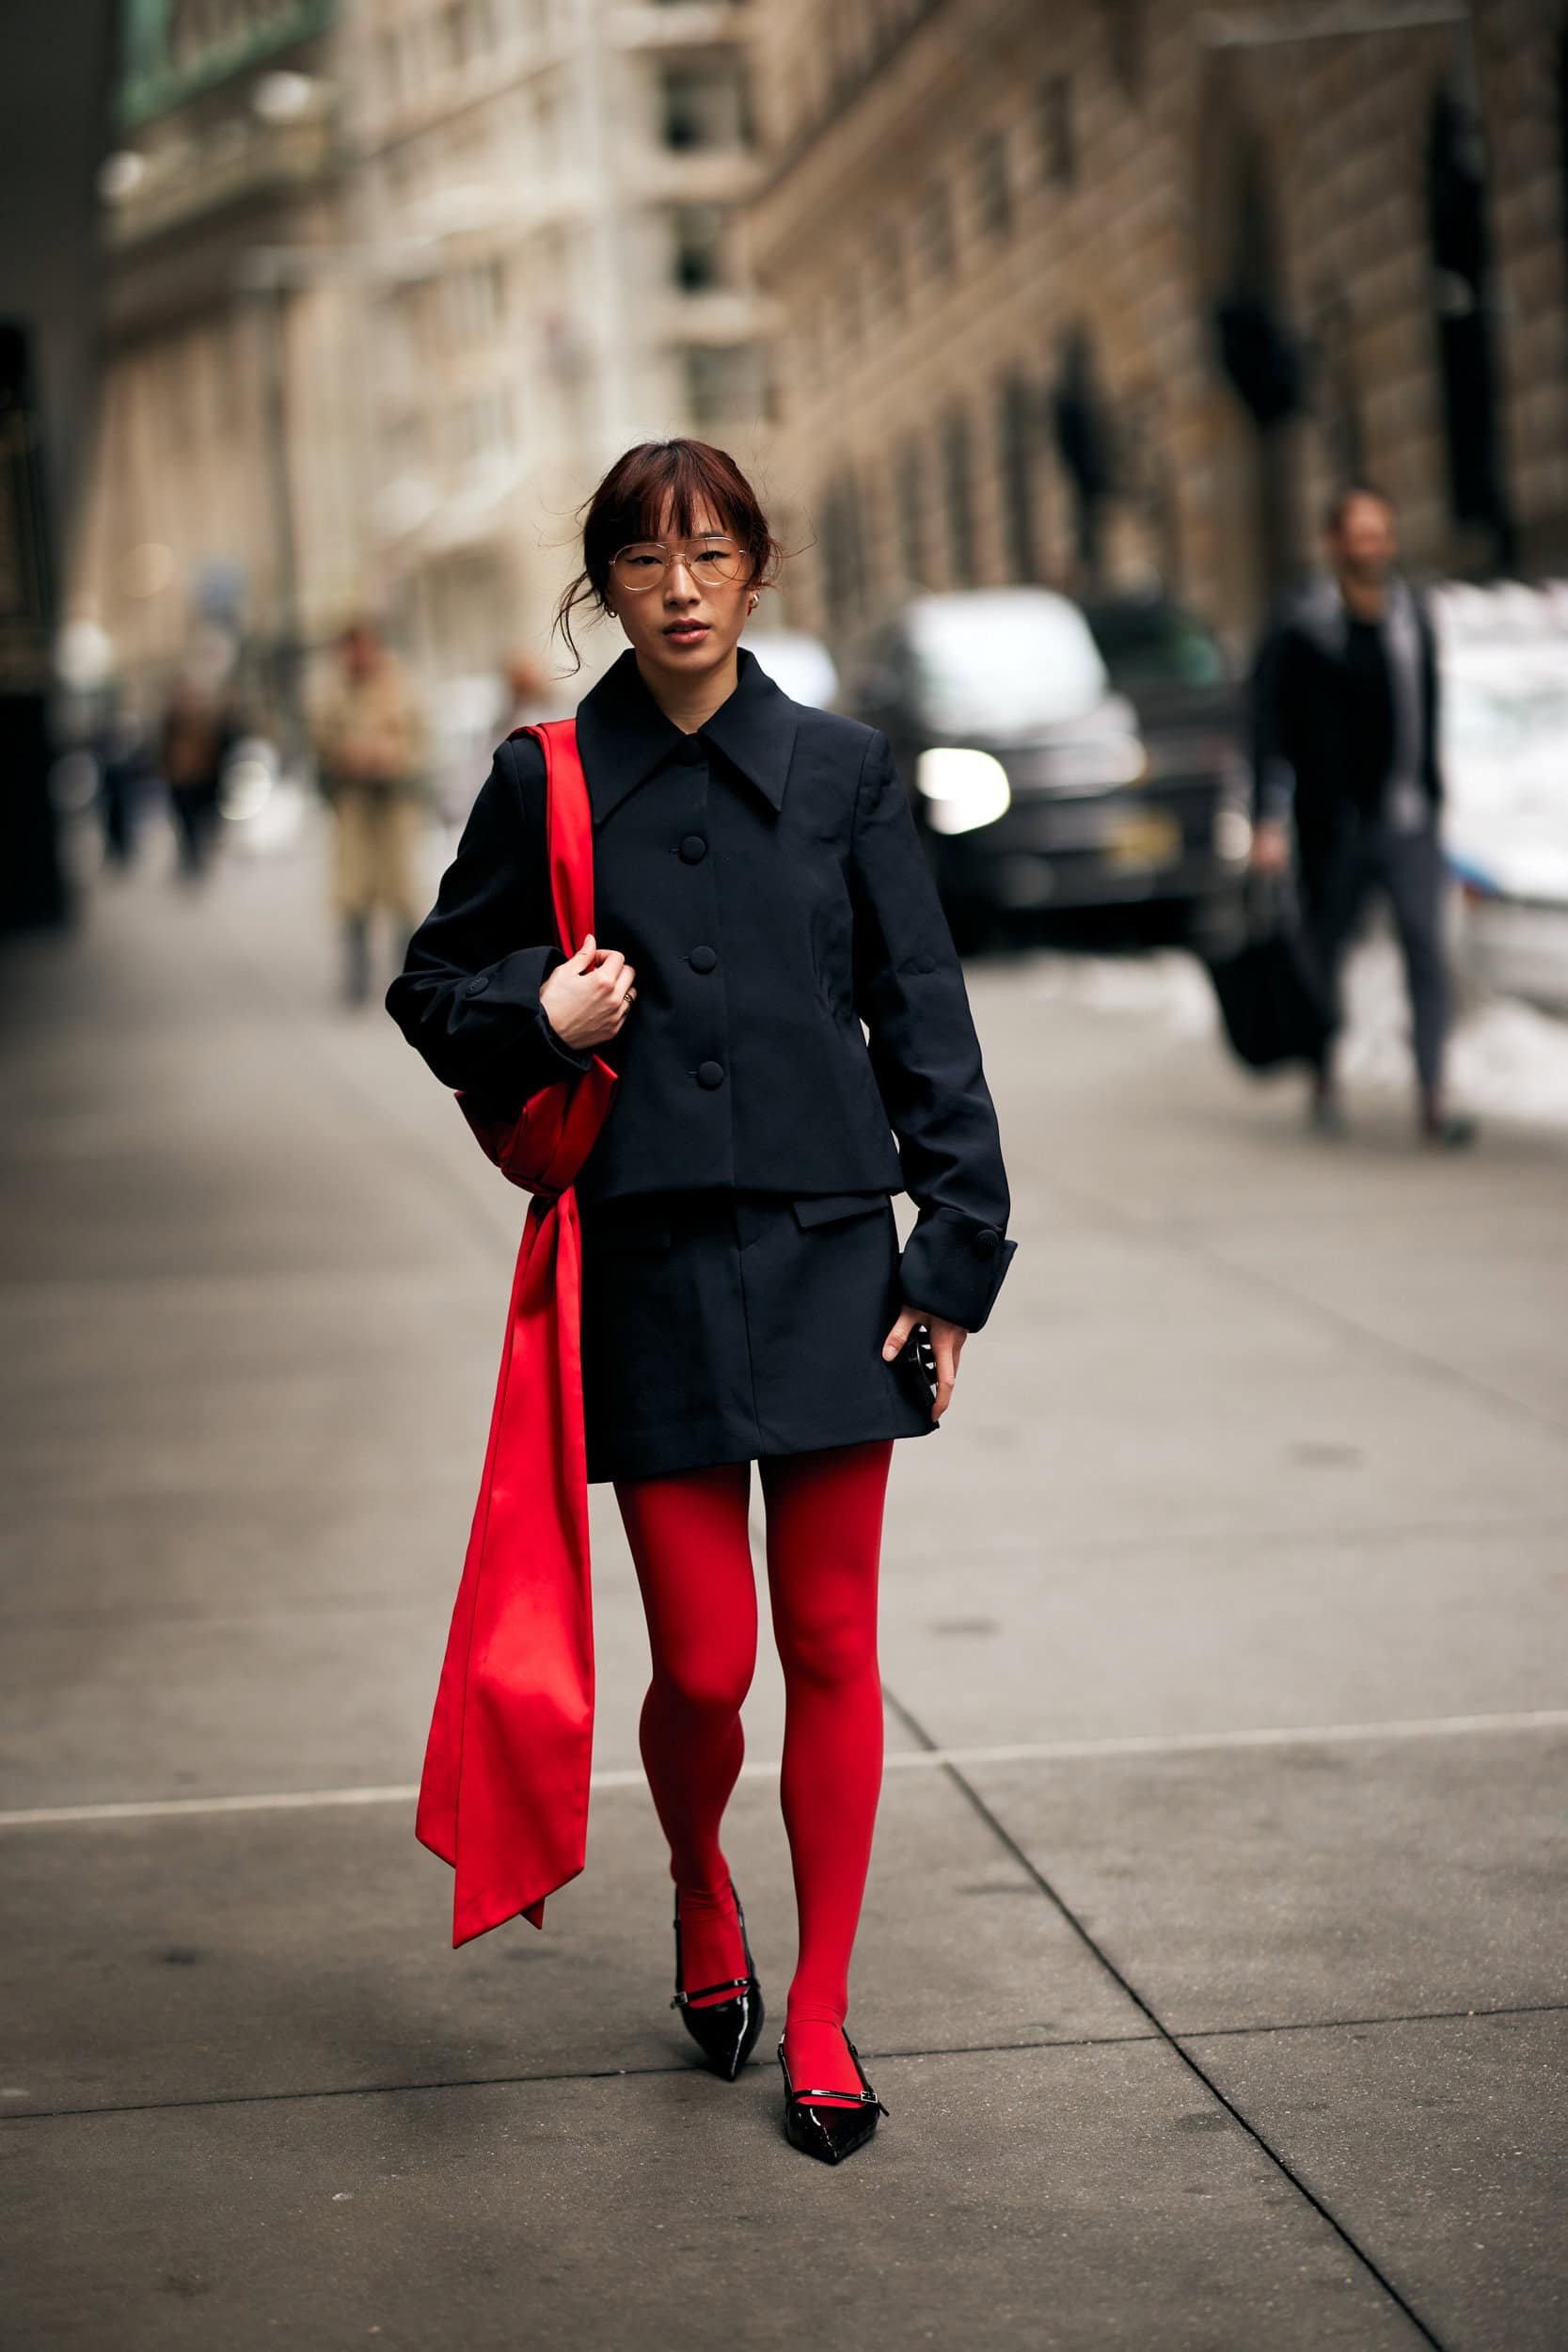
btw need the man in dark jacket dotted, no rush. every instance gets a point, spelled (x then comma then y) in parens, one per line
(1345, 753)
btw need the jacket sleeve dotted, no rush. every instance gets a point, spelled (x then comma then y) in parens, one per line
(909, 992)
(468, 997)
(1274, 779)
(1432, 701)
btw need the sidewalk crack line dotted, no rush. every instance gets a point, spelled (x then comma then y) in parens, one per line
(1003, 1836)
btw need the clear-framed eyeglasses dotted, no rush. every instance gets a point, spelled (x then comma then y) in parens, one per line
(646, 563)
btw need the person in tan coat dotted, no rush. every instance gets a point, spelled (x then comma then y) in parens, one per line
(371, 752)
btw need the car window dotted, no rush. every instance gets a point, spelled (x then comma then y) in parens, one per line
(1156, 645)
(1000, 665)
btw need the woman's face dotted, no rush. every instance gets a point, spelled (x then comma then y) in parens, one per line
(686, 623)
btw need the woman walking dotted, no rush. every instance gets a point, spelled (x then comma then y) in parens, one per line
(759, 892)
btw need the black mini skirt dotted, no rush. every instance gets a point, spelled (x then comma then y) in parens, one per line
(727, 1327)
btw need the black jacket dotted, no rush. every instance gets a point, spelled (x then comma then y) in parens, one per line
(766, 878)
(1305, 704)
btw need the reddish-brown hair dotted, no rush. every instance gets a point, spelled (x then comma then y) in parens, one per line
(629, 504)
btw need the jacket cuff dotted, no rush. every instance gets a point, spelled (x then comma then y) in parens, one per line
(954, 1266)
(525, 1053)
(567, 1055)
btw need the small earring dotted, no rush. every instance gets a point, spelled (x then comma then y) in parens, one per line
(752, 603)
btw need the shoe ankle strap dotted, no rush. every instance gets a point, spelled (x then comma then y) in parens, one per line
(703, 1992)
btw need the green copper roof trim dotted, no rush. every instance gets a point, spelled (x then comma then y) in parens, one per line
(153, 83)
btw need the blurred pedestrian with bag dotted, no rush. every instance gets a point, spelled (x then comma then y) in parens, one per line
(372, 751)
(198, 732)
(1345, 757)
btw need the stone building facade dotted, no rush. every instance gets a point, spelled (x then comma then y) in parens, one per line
(222, 484)
(388, 284)
(568, 205)
(1116, 290)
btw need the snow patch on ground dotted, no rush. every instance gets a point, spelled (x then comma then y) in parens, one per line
(1171, 987)
(1507, 1060)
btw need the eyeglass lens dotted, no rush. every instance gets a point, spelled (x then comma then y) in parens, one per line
(646, 564)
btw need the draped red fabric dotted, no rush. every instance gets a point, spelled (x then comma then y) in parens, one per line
(504, 1794)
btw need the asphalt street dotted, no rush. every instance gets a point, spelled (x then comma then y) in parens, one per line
(1213, 1966)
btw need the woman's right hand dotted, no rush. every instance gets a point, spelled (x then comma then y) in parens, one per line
(586, 998)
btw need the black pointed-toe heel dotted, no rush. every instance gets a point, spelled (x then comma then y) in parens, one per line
(830, 2134)
(724, 2031)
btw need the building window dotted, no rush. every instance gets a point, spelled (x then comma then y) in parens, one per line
(1125, 33)
(1460, 245)
(844, 50)
(887, 271)
(544, 129)
(1082, 419)
(475, 300)
(698, 258)
(910, 509)
(1058, 147)
(178, 418)
(723, 383)
(935, 228)
(843, 541)
(704, 106)
(848, 309)
(957, 493)
(462, 31)
(993, 194)
(1016, 442)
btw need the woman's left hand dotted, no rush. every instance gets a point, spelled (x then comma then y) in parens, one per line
(947, 1340)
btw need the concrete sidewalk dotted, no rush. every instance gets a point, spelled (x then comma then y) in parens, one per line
(1213, 1962)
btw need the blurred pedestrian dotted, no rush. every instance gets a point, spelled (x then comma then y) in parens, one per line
(198, 733)
(124, 766)
(372, 755)
(1345, 739)
(743, 1295)
(525, 694)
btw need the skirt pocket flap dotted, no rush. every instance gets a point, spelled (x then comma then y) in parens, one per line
(827, 1208)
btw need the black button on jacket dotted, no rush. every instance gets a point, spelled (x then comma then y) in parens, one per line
(766, 878)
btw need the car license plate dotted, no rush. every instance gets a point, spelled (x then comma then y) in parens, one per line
(1146, 837)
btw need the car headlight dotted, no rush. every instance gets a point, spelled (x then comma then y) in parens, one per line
(962, 788)
(1096, 761)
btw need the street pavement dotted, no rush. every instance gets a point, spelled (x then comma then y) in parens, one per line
(1213, 1964)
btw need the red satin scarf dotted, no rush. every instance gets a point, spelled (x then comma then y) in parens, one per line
(504, 1796)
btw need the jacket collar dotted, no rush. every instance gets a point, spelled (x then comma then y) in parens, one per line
(1320, 611)
(624, 736)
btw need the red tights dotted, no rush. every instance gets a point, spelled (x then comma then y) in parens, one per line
(691, 1546)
